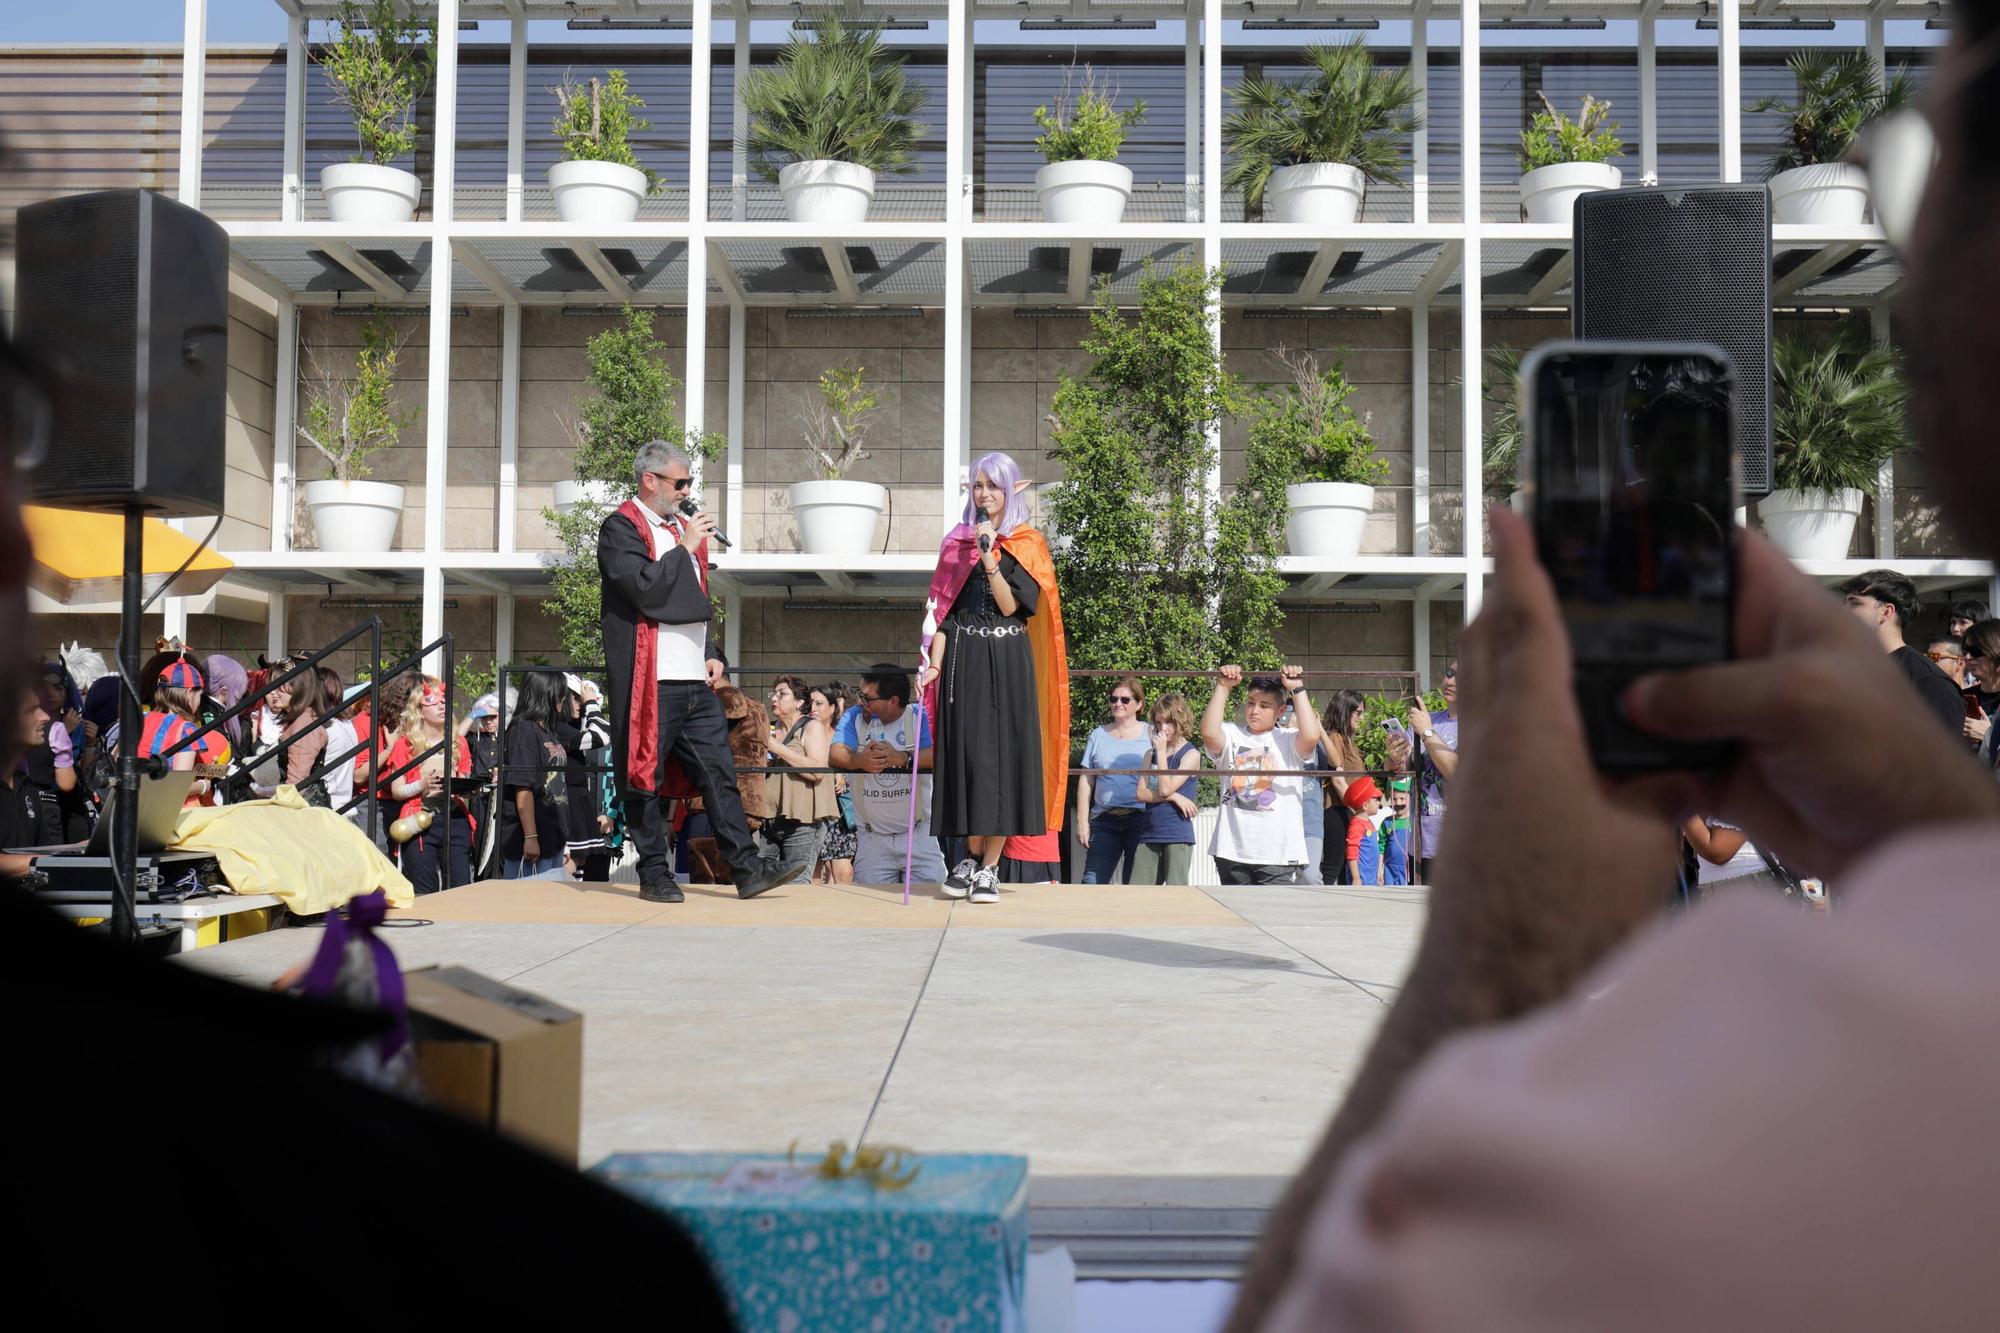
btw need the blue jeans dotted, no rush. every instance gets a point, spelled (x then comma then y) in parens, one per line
(1114, 840)
(525, 869)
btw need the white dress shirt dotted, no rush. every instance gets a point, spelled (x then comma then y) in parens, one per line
(680, 649)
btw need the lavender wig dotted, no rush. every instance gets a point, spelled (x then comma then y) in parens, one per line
(1003, 469)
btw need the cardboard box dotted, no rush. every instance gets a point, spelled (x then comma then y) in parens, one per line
(501, 1057)
(793, 1251)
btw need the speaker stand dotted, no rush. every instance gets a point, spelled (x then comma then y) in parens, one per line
(125, 809)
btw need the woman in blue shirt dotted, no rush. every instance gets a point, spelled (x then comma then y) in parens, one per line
(1109, 819)
(1168, 845)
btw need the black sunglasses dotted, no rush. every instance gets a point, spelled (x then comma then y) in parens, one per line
(1123, 699)
(678, 483)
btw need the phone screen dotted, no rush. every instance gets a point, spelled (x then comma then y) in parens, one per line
(1634, 488)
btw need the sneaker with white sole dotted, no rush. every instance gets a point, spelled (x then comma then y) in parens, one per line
(959, 882)
(986, 885)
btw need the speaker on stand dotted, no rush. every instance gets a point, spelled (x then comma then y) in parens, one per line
(123, 296)
(1688, 265)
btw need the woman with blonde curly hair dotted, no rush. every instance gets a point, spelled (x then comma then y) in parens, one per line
(424, 725)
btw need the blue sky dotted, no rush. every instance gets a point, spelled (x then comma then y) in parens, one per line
(128, 21)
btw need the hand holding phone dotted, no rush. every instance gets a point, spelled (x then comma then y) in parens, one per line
(1631, 477)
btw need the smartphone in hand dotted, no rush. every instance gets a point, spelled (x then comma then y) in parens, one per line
(1631, 480)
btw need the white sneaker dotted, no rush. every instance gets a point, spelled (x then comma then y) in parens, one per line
(986, 885)
(959, 882)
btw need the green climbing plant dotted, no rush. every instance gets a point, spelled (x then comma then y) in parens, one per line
(633, 398)
(1143, 583)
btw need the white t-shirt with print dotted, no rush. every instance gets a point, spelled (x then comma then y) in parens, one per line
(1262, 819)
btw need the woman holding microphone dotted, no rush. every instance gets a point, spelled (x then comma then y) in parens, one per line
(996, 682)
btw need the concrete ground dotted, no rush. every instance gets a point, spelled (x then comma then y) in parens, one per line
(1145, 1048)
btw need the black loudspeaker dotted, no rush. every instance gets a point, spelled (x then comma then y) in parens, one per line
(123, 297)
(1686, 266)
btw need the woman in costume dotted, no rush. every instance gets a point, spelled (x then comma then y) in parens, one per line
(995, 681)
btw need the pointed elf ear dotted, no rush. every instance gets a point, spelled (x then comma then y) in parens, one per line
(1022, 485)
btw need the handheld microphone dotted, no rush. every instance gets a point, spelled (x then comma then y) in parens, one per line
(689, 508)
(985, 542)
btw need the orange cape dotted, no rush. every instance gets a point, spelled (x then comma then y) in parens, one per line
(958, 555)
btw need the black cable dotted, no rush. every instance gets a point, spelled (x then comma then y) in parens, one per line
(193, 556)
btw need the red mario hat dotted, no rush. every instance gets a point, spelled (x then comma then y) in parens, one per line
(182, 676)
(1359, 792)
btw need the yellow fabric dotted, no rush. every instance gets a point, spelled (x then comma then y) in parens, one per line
(80, 557)
(306, 856)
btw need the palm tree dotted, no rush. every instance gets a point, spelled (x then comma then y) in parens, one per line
(1838, 415)
(837, 97)
(1346, 112)
(1839, 93)
(1501, 455)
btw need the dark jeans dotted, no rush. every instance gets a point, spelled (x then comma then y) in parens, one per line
(1242, 872)
(692, 730)
(420, 855)
(1114, 840)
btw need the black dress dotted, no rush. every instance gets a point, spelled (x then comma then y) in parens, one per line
(988, 761)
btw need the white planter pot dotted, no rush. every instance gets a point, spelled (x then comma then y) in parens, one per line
(355, 515)
(1327, 518)
(596, 191)
(1328, 193)
(837, 517)
(1810, 525)
(603, 494)
(364, 192)
(1087, 192)
(826, 192)
(1833, 194)
(1549, 194)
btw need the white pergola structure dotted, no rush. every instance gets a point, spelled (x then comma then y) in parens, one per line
(936, 249)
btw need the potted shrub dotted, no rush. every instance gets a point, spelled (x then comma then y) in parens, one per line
(833, 112)
(347, 419)
(1838, 416)
(1839, 93)
(837, 516)
(1304, 150)
(599, 179)
(379, 64)
(1326, 455)
(1080, 139)
(1563, 158)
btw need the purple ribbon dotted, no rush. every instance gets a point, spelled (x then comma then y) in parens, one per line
(364, 913)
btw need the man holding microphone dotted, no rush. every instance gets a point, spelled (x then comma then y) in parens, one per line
(669, 737)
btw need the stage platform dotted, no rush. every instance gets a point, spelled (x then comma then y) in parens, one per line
(1163, 1056)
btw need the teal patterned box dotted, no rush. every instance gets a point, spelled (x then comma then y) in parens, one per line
(948, 1253)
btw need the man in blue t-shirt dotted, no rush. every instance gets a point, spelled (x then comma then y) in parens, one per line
(883, 739)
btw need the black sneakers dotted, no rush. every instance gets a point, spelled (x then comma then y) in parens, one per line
(770, 873)
(986, 885)
(661, 891)
(959, 882)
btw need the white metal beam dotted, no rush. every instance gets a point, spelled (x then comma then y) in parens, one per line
(739, 115)
(1471, 312)
(694, 386)
(292, 206)
(257, 276)
(1822, 259)
(609, 278)
(1211, 204)
(1317, 272)
(1545, 291)
(1318, 585)
(1420, 430)
(517, 98)
(1191, 98)
(732, 475)
(725, 275)
(1885, 475)
(841, 270)
(1649, 101)
(1729, 109)
(503, 628)
(505, 520)
(1079, 271)
(1420, 145)
(437, 403)
(364, 268)
(840, 582)
(194, 100)
(284, 431)
(1450, 258)
(482, 268)
(349, 578)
